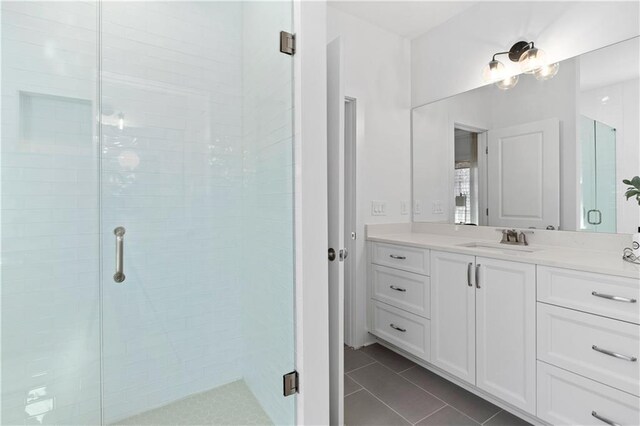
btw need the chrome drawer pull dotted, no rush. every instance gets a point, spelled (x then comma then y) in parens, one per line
(616, 298)
(469, 268)
(395, 327)
(478, 275)
(395, 256)
(614, 354)
(604, 419)
(393, 287)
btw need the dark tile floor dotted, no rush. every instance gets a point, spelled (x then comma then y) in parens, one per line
(384, 388)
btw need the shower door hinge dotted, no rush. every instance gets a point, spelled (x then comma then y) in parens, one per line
(290, 382)
(287, 43)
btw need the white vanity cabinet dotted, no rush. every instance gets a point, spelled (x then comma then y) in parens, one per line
(453, 314)
(483, 324)
(559, 344)
(399, 297)
(588, 348)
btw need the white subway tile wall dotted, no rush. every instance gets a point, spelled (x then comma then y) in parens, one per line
(195, 163)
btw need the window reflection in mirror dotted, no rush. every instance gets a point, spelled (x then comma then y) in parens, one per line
(465, 184)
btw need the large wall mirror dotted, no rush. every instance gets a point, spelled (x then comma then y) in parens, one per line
(545, 154)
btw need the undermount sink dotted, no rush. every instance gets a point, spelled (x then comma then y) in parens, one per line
(499, 247)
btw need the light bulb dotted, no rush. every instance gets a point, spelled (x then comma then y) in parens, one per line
(507, 83)
(121, 121)
(546, 72)
(532, 59)
(493, 71)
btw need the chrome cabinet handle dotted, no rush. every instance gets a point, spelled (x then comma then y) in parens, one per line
(478, 275)
(611, 297)
(469, 268)
(119, 275)
(393, 287)
(395, 327)
(395, 256)
(614, 354)
(604, 419)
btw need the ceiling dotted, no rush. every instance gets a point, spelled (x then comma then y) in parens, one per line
(406, 18)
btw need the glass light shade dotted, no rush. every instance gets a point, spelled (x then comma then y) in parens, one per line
(493, 71)
(532, 59)
(546, 72)
(507, 83)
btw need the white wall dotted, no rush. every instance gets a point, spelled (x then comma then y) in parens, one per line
(449, 59)
(377, 70)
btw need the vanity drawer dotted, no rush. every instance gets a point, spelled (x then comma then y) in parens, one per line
(407, 258)
(590, 292)
(406, 331)
(576, 341)
(404, 290)
(565, 398)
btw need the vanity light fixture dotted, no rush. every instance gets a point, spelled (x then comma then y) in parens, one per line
(531, 60)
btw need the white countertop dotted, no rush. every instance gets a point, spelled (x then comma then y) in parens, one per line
(604, 262)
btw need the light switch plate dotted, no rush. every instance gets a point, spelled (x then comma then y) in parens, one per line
(378, 208)
(404, 208)
(417, 207)
(436, 207)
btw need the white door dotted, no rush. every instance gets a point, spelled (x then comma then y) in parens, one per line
(506, 331)
(335, 187)
(453, 314)
(524, 175)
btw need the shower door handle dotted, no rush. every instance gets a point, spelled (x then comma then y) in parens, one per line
(119, 275)
(598, 221)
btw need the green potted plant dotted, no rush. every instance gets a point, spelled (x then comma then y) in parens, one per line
(634, 188)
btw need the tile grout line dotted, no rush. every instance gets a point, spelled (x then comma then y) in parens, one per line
(431, 414)
(387, 405)
(450, 405)
(501, 410)
(363, 366)
(384, 403)
(355, 391)
(419, 387)
(469, 417)
(400, 372)
(423, 389)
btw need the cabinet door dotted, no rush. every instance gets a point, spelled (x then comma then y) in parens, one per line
(453, 314)
(505, 327)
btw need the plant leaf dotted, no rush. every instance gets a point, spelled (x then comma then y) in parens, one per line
(632, 192)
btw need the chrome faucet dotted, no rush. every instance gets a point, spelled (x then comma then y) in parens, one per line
(511, 236)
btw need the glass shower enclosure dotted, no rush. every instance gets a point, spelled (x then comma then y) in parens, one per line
(146, 216)
(598, 176)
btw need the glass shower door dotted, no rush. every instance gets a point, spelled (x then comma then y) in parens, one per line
(598, 176)
(197, 213)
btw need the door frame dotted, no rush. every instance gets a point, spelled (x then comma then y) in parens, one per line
(350, 218)
(311, 264)
(483, 180)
